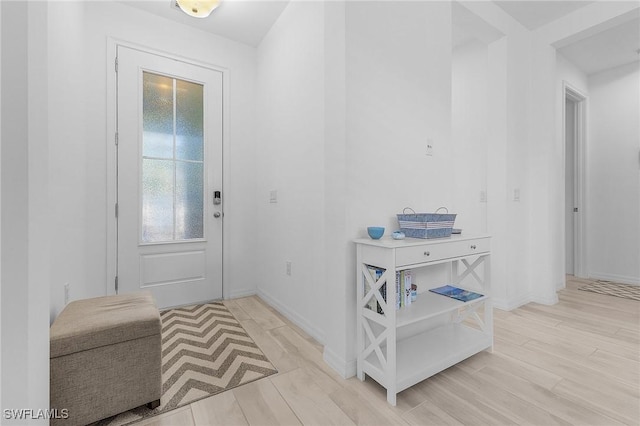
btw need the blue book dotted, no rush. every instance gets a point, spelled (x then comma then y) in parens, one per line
(456, 293)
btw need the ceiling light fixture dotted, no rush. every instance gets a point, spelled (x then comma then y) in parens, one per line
(198, 8)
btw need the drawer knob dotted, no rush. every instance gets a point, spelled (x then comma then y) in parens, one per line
(426, 253)
(473, 246)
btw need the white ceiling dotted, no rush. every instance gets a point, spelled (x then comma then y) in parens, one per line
(246, 21)
(467, 27)
(534, 14)
(607, 49)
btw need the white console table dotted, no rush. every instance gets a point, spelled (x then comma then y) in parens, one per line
(400, 363)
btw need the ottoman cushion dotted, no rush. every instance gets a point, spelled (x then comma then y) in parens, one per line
(105, 357)
(101, 321)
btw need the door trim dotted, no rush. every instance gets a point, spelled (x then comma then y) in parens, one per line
(580, 178)
(112, 164)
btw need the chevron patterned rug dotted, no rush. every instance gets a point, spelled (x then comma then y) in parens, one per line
(626, 291)
(205, 351)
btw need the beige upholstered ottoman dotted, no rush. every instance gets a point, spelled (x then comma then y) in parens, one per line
(105, 357)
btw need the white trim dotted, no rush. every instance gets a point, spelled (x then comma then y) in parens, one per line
(511, 304)
(546, 300)
(111, 126)
(238, 294)
(345, 369)
(580, 178)
(516, 302)
(312, 331)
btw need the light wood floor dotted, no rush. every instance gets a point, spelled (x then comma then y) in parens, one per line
(575, 363)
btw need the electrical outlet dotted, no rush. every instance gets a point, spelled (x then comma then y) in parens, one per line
(430, 147)
(273, 196)
(67, 290)
(288, 268)
(516, 194)
(483, 196)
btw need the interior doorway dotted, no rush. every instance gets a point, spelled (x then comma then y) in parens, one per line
(574, 118)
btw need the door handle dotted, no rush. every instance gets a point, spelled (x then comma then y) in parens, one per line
(217, 214)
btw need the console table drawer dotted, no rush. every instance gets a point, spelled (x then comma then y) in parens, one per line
(433, 252)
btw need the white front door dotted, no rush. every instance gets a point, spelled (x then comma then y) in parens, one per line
(169, 168)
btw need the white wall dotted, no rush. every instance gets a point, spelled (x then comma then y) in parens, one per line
(469, 128)
(70, 173)
(613, 184)
(290, 160)
(509, 164)
(25, 268)
(15, 291)
(546, 178)
(39, 241)
(341, 163)
(566, 71)
(338, 251)
(80, 141)
(518, 228)
(398, 95)
(497, 181)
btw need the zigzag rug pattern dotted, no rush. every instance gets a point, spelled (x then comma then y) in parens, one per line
(205, 351)
(609, 288)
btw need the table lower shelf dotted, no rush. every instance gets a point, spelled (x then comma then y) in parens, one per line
(423, 355)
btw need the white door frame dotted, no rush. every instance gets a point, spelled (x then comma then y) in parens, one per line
(112, 163)
(580, 174)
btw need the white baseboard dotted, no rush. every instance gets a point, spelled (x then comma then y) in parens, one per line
(622, 279)
(344, 368)
(516, 302)
(293, 317)
(545, 300)
(511, 304)
(240, 293)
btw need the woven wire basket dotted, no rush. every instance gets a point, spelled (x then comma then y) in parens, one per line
(426, 225)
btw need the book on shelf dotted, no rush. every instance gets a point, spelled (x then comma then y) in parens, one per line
(375, 274)
(398, 289)
(456, 293)
(403, 286)
(406, 291)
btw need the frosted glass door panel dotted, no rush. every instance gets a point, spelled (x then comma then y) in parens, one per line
(189, 121)
(189, 200)
(157, 200)
(172, 160)
(157, 116)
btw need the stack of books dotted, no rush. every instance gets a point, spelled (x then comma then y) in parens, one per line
(406, 290)
(403, 288)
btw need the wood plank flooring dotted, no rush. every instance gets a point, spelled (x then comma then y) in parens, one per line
(574, 363)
